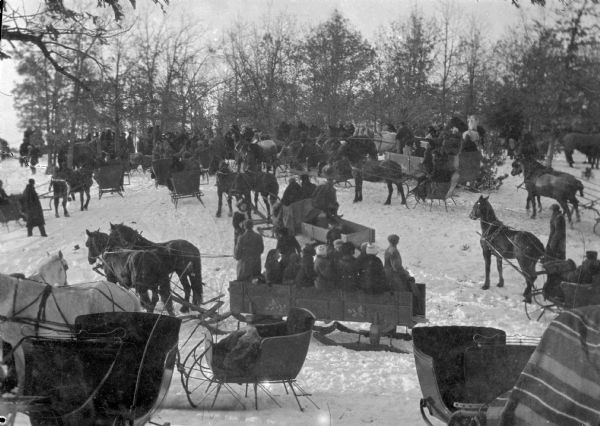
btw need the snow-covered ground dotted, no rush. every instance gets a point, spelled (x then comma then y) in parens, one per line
(351, 388)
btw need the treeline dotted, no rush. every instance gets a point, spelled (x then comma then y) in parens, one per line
(418, 69)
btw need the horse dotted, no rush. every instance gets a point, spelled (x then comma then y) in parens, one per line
(61, 189)
(387, 171)
(179, 256)
(354, 151)
(53, 271)
(27, 305)
(545, 182)
(259, 182)
(141, 270)
(506, 243)
(80, 181)
(260, 152)
(588, 144)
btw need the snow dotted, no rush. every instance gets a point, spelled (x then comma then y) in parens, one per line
(352, 388)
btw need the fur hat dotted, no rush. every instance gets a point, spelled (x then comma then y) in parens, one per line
(555, 207)
(328, 172)
(393, 239)
(337, 244)
(322, 250)
(372, 249)
(248, 224)
(32, 181)
(242, 206)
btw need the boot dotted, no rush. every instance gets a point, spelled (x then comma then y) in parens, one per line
(43, 231)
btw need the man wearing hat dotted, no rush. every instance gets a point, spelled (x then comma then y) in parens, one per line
(247, 252)
(238, 220)
(307, 186)
(292, 193)
(33, 209)
(557, 240)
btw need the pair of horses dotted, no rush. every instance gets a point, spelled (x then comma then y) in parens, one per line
(546, 182)
(35, 306)
(241, 184)
(136, 262)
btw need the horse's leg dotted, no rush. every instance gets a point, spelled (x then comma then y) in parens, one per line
(265, 198)
(358, 180)
(87, 198)
(220, 197)
(248, 201)
(388, 201)
(19, 359)
(575, 204)
(56, 200)
(186, 284)
(164, 289)
(534, 210)
(256, 201)
(400, 189)
(539, 202)
(196, 281)
(487, 257)
(499, 267)
(64, 204)
(229, 205)
(528, 267)
(81, 199)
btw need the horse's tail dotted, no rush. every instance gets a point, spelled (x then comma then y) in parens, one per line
(196, 280)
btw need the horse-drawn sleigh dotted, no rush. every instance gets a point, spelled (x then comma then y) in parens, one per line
(80, 359)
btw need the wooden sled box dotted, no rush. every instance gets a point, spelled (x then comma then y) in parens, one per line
(351, 232)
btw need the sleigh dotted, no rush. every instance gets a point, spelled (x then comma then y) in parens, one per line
(186, 184)
(110, 179)
(463, 368)
(115, 368)
(384, 311)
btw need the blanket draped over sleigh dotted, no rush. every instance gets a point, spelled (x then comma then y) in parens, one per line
(560, 384)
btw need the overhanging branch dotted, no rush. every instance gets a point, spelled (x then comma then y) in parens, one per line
(38, 41)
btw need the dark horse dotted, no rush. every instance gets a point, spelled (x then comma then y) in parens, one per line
(179, 256)
(302, 156)
(259, 153)
(546, 182)
(66, 183)
(386, 171)
(351, 157)
(141, 270)
(240, 185)
(506, 243)
(587, 144)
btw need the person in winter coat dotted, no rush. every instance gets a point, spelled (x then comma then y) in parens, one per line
(291, 269)
(247, 252)
(325, 198)
(557, 240)
(372, 275)
(237, 352)
(325, 274)
(347, 268)
(334, 233)
(238, 220)
(392, 264)
(306, 273)
(404, 138)
(273, 268)
(292, 193)
(308, 188)
(33, 209)
(286, 245)
(34, 154)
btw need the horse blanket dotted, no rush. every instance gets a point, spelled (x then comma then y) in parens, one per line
(560, 384)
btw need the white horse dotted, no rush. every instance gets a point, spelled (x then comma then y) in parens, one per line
(32, 308)
(53, 271)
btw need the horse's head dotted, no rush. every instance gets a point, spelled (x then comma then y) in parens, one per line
(517, 168)
(96, 243)
(53, 271)
(481, 208)
(123, 235)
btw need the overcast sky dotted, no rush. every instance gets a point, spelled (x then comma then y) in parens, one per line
(216, 15)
